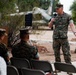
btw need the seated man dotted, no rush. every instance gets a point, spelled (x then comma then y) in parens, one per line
(23, 49)
(3, 48)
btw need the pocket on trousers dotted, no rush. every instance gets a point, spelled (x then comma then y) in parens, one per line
(63, 35)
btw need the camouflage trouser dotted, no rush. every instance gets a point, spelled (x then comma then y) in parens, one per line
(62, 43)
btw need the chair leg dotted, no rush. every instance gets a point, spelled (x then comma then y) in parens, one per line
(54, 73)
(69, 73)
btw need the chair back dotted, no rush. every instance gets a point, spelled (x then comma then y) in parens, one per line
(11, 70)
(20, 62)
(32, 72)
(66, 67)
(42, 65)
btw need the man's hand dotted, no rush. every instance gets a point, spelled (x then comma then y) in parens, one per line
(50, 24)
(53, 19)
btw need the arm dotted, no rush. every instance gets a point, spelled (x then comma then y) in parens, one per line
(37, 56)
(34, 52)
(6, 55)
(72, 26)
(50, 24)
(37, 53)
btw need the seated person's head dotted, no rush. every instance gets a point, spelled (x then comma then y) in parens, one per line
(24, 34)
(2, 33)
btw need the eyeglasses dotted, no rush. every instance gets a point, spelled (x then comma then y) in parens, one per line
(57, 8)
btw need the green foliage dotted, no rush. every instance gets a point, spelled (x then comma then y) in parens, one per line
(44, 4)
(16, 22)
(7, 6)
(37, 17)
(27, 5)
(73, 10)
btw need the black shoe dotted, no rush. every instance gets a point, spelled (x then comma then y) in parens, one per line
(57, 71)
(69, 73)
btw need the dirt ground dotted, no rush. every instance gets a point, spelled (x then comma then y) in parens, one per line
(44, 43)
(49, 55)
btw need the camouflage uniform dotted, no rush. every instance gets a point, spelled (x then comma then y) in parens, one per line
(60, 38)
(24, 50)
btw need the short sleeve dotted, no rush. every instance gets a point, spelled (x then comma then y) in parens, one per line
(70, 19)
(34, 51)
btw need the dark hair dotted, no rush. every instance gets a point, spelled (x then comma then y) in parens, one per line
(22, 36)
(2, 31)
(59, 5)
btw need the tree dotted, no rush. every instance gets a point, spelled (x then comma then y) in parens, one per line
(27, 5)
(73, 10)
(44, 4)
(6, 7)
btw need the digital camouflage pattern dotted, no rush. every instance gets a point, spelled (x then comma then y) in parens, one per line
(24, 50)
(57, 43)
(61, 26)
(60, 37)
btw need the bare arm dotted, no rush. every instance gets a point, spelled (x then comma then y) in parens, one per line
(50, 24)
(72, 26)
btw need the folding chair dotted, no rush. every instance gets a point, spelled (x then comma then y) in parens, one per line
(11, 70)
(42, 65)
(26, 71)
(20, 63)
(65, 67)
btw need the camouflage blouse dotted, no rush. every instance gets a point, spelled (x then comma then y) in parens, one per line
(24, 50)
(61, 26)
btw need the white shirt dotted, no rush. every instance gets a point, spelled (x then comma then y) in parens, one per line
(3, 67)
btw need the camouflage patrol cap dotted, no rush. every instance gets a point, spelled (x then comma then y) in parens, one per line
(59, 5)
(2, 32)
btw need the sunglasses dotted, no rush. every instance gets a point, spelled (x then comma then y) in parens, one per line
(57, 8)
